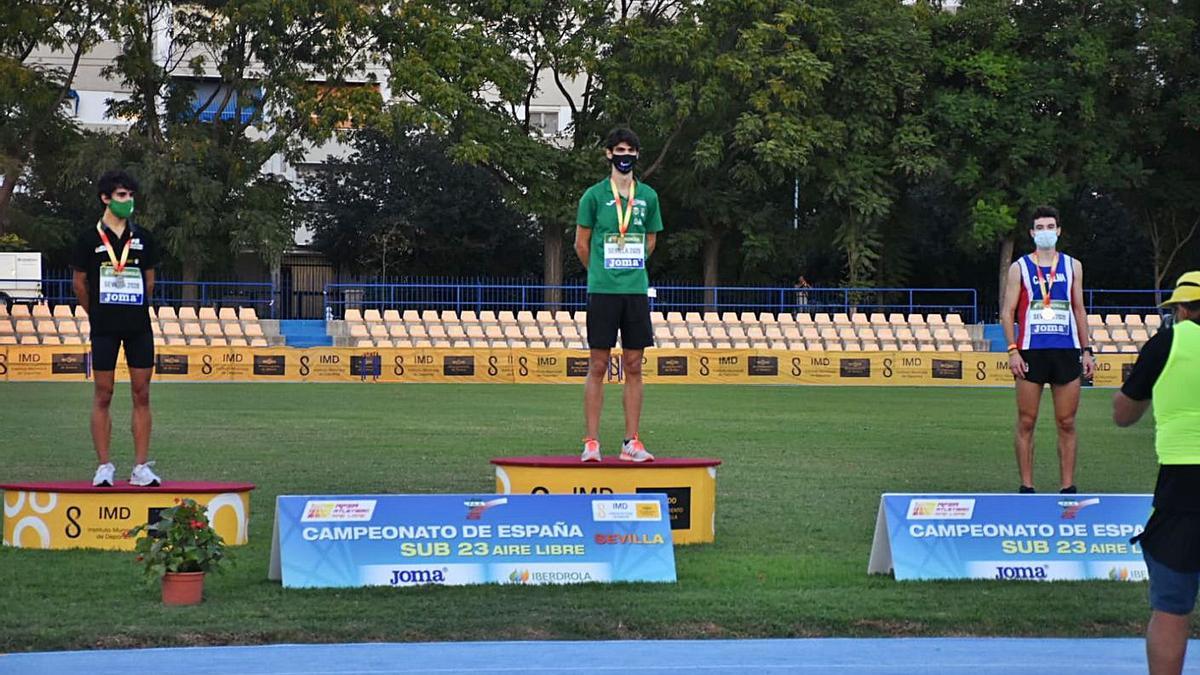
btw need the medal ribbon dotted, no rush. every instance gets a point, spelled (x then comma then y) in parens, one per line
(1042, 282)
(625, 217)
(112, 254)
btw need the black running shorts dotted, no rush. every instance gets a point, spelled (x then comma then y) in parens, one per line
(1052, 366)
(139, 350)
(628, 313)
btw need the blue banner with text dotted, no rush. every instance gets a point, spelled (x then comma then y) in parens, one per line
(412, 540)
(1010, 537)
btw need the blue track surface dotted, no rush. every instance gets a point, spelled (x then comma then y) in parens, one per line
(976, 656)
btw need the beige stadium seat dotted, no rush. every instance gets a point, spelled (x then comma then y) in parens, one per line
(524, 317)
(773, 331)
(581, 319)
(456, 332)
(1139, 336)
(227, 314)
(417, 330)
(1119, 335)
(238, 342)
(247, 314)
(258, 342)
(851, 346)
(908, 346)
(866, 334)
(531, 331)
(212, 328)
(748, 319)
(1133, 321)
(441, 344)
(810, 333)
(737, 332)
(571, 333)
(675, 319)
(870, 345)
(28, 339)
(680, 332)
(177, 341)
(822, 319)
(804, 319)
(841, 319)
(563, 317)
(359, 331)
(700, 333)
(756, 334)
(24, 327)
(1112, 320)
(860, 321)
(693, 319)
(512, 332)
(6, 326)
(468, 317)
(785, 320)
(430, 317)
(718, 332)
(846, 332)
(964, 347)
(1095, 320)
(834, 346)
(372, 316)
(377, 331)
(20, 312)
(941, 335)
(507, 318)
(475, 332)
(353, 316)
(171, 329)
(722, 344)
(741, 344)
(41, 311)
(767, 318)
(544, 317)
(364, 343)
(253, 330)
(187, 314)
(730, 319)
(51, 340)
(945, 347)
(234, 330)
(1129, 349)
(896, 320)
(1153, 322)
(924, 337)
(45, 326)
(77, 340)
(64, 312)
(207, 314)
(488, 318)
(829, 334)
(916, 320)
(954, 320)
(411, 316)
(436, 331)
(537, 344)
(391, 316)
(449, 317)
(712, 319)
(661, 333)
(878, 320)
(905, 335)
(657, 318)
(960, 334)
(935, 321)
(164, 313)
(889, 346)
(886, 334)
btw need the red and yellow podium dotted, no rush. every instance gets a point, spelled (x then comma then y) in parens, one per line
(689, 483)
(73, 514)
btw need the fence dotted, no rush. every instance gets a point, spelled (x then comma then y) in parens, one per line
(531, 297)
(518, 295)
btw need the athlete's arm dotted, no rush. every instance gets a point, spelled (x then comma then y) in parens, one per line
(1012, 287)
(583, 244)
(1081, 326)
(651, 240)
(79, 283)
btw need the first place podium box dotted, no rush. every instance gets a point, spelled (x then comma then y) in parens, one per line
(73, 514)
(689, 483)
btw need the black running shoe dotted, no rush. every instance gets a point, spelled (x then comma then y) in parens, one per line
(1069, 490)
(1025, 490)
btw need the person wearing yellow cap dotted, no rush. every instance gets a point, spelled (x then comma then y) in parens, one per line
(1167, 372)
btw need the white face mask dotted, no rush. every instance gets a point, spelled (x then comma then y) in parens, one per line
(1045, 238)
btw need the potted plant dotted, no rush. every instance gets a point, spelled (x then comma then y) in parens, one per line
(179, 549)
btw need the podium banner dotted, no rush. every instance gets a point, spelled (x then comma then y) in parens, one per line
(339, 541)
(1009, 537)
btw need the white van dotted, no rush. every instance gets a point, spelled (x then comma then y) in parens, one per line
(20, 278)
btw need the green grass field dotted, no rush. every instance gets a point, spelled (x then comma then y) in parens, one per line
(798, 493)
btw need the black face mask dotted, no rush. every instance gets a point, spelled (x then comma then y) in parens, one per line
(624, 163)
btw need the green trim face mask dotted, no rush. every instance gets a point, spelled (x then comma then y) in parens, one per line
(123, 209)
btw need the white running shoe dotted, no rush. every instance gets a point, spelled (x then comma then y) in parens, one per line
(633, 451)
(591, 451)
(104, 475)
(142, 476)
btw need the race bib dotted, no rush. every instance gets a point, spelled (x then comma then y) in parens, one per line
(1057, 321)
(124, 288)
(630, 255)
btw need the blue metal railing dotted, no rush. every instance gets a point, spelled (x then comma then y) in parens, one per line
(1111, 301)
(533, 297)
(262, 296)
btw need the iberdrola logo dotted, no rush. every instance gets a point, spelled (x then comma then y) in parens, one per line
(519, 577)
(1118, 574)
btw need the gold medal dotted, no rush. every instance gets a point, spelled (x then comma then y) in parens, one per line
(1047, 314)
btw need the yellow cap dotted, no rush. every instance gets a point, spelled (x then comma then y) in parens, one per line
(1187, 289)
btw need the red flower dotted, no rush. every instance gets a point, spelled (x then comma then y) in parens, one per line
(140, 558)
(196, 525)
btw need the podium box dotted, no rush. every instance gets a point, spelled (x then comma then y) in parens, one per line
(689, 483)
(73, 514)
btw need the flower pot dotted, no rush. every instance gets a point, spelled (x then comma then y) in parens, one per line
(182, 588)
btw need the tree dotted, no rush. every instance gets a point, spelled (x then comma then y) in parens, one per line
(400, 203)
(238, 83)
(31, 94)
(1026, 101)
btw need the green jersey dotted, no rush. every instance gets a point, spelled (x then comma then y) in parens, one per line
(616, 264)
